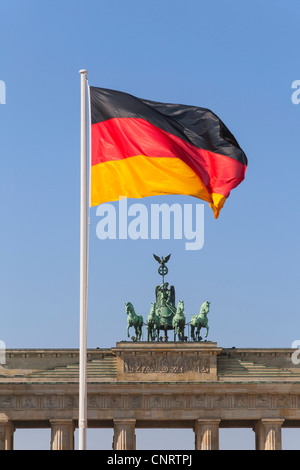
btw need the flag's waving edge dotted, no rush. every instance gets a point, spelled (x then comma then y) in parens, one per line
(143, 148)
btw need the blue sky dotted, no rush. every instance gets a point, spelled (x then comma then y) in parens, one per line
(237, 58)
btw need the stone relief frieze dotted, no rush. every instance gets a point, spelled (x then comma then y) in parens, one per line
(51, 402)
(135, 402)
(178, 401)
(29, 402)
(199, 401)
(71, 402)
(7, 402)
(263, 401)
(241, 401)
(157, 401)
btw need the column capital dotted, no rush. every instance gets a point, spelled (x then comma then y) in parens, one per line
(274, 421)
(208, 421)
(62, 421)
(128, 421)
(268, 422)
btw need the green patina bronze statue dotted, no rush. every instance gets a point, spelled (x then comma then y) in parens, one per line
(134, 320)
(152, 324)
(200, 321)
(178, 322)
(164, 315)
(169, 318)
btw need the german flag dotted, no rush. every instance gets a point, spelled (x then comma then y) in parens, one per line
(145, 148)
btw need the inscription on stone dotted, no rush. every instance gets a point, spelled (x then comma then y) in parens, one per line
(166, 365)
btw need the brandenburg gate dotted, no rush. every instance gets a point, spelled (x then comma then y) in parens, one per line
(166, 381)
(152, 385)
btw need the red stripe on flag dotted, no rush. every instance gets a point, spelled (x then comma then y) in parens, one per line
(121, 138)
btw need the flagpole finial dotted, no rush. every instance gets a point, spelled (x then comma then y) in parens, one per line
(83, 71)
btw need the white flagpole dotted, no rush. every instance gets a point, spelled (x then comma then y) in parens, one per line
(82, 421)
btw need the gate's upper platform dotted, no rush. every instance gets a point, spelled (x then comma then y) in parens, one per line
(152, 362)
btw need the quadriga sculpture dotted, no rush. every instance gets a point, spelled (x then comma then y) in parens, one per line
(164, 315)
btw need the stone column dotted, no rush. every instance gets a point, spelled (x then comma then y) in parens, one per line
(124, 434)
(62, 434)
(6, 434)
(268, 434)
(207, 434)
